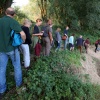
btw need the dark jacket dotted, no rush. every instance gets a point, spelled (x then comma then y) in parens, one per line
(80, 41)
(28, 36)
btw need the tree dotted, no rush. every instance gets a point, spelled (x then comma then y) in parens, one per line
(20, 16)
(32, 10)
(93, 15)
(43, 7)
(3, 5)
(63, 12)
(83, 14)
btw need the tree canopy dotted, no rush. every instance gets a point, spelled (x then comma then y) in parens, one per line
(83, 14)
(4, 4)
(78, 14)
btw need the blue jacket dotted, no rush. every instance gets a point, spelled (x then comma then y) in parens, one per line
(65, 32)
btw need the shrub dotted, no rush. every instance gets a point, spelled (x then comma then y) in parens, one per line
(49, 79)
(53, 78)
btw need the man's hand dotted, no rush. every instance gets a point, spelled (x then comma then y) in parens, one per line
(50, 36)
(51, 40)
(23, 35)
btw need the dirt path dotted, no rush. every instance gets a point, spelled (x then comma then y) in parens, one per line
(91, 66)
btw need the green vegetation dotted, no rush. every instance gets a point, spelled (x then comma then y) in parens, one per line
(20, 16)
(32, 10)
(3, 5)
(82, 17)
(54, 78)
(79, 14)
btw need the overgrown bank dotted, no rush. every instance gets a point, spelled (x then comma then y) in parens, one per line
(56, 78)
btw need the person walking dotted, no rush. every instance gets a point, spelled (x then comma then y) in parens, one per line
(86, 44)
(58, 38)
(96, 44)
(25, 46)
(47, 37)
(71, 42)
(80, 43)
(7, 24)
(36, 38)
(66, 40)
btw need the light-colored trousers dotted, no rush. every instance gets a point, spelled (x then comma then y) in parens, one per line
(26, 54)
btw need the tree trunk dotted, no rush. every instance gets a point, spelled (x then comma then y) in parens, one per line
(43, 7)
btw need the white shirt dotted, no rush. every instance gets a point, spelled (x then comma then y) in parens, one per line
(71, 39)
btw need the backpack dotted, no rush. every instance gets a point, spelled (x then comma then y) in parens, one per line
(16, 38)
(45, 29)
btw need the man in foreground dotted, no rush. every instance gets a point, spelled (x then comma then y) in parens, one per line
(7, 23)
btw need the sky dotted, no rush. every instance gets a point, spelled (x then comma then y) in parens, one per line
(20, 2)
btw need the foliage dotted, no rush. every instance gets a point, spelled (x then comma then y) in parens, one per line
(3, 5)
(20, 16)
(93, 14)
(32, 10)
(50, 79)
(43, 4)
(53, 78)
(79, 14)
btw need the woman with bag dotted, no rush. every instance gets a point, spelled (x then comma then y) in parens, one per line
(36, 38)
(66, 37)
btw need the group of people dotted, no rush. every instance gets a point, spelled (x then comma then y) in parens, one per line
(7, 23)
(45, 34)
(7, 50)
(71, 42)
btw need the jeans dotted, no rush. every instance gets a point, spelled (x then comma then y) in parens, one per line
(65, 43)
(58, 45)
(15, 58)
(26, 54)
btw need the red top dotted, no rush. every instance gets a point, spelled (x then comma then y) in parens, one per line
(87, 41)
(97, 42)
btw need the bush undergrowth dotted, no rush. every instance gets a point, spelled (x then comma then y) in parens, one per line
(55, 77)
(50, 79)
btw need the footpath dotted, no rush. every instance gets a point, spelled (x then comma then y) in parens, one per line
(91, 65)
